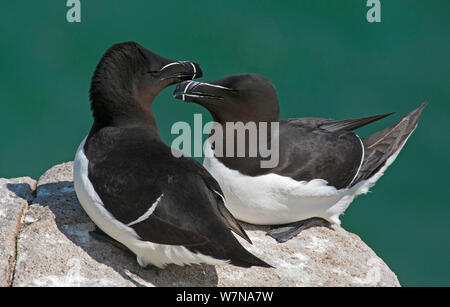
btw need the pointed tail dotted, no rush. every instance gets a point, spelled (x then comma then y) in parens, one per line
(387, 143)
(227, 247)
(243, 258)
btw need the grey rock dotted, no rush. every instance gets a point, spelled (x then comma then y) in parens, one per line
(14, 197)
(54, 248)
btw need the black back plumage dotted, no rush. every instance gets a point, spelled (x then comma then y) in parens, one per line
(307, 152)
(130, 168)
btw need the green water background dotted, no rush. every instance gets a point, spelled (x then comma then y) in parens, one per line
(323, 56)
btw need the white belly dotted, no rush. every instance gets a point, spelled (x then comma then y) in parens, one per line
(273, 199)
(147, 252)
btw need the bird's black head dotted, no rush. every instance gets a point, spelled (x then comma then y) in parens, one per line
(241, 97)
(129, 77)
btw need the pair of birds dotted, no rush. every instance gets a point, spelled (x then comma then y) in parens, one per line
(173, 210)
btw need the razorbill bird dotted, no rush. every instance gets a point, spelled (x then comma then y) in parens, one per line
(164, 209)
(322, 164)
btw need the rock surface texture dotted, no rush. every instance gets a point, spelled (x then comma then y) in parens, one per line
(45, 241)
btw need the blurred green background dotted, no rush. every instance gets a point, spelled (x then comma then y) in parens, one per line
(323, 56)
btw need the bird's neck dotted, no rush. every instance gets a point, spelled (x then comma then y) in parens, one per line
(116, 101)
(121, 113)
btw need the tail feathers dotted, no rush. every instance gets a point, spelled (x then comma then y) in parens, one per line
(225, 246)
(351, 124)
(381, 145)
(228, 219)
(230, 249)
(241, 257)
(238, 255)
(232, 223)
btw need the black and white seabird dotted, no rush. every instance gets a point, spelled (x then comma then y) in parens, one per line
(322, 165)
(164, 209)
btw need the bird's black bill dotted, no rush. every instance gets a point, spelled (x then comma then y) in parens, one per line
(182, 70)
(194, 91)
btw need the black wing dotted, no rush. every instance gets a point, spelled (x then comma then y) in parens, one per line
(351, 124)
(308, 152)
(313, 148)
(130, 178)
(129, 183)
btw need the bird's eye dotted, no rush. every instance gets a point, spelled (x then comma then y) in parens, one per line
(154, 72)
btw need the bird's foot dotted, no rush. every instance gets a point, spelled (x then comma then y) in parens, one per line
(285, 232)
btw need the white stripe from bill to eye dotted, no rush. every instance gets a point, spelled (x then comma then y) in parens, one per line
(360, 164)
(149, 212)
(192, 96)
(168, 65)
(217, 86)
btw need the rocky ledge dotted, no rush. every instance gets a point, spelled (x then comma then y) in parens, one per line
(45, 241)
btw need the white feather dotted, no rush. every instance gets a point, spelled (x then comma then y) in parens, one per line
(149, 212)
(360, 163)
